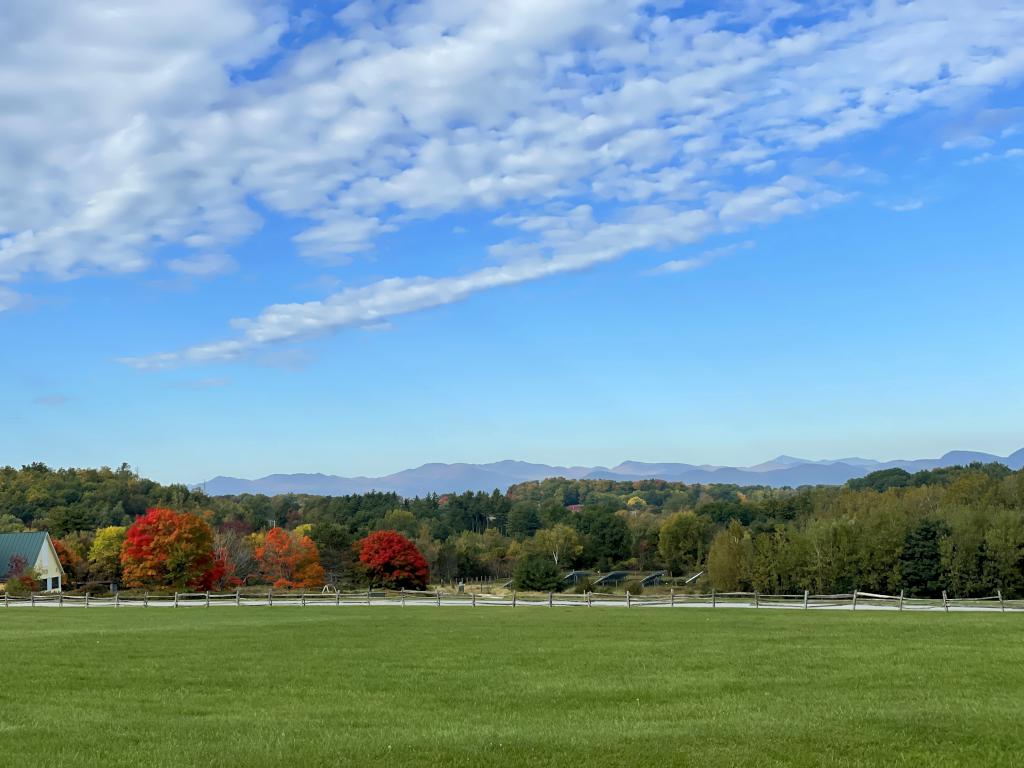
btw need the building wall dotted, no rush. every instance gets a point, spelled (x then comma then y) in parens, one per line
(48, 567)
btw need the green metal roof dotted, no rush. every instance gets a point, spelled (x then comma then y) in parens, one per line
(26, 545)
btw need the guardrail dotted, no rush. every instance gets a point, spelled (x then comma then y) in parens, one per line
(854, 601)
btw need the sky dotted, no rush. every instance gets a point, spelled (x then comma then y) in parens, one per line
(358, 237)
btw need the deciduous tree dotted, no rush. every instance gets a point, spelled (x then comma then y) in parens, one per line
(559, 542)
(164, 548)
(105, 554)
(286, 560)
(391, 560)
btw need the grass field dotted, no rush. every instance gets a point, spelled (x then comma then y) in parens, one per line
(551, 687)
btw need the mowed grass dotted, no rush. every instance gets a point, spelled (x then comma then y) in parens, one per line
(417, 686)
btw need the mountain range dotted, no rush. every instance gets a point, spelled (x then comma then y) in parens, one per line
(456, 478)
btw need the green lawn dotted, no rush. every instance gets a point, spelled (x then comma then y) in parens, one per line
(535, 686)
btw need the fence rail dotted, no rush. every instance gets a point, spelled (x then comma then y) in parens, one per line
(853, 601)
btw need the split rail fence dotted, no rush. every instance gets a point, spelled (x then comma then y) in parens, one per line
(376, 597)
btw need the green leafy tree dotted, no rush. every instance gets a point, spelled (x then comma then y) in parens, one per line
(523, 521)
(10, 524)
(335, 545)
(729, 559)
(606, 538)
(105, 554)
(537, 573)
(683, 541)
(559, 542)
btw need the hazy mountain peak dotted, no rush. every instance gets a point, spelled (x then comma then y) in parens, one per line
(436, 477)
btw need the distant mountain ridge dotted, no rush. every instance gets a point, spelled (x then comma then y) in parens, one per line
(456, 478)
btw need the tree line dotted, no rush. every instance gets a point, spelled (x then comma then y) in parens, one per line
(960, 529)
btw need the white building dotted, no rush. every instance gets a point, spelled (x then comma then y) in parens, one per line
(35, 549)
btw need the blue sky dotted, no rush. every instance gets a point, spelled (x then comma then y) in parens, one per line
(353, 238)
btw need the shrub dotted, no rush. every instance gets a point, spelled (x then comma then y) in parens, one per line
(538, 574)
(21, 579)
(583, 586)
(634, 587)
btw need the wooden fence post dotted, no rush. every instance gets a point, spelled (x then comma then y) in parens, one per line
(590, 599)
(474, 599)
(117, 599)
(757, 602)
(238, 596)
(302, 599)
(438, 592)
(337, 596)
(207, 598)
(901, 600)
(806, 595)
(550, 602)
(60, 599)
(6, 603)
(270, 596)
(672, 599)
(1002, 606)
(628, 600)
(175, 599)
(86, 599)
(945, 602)
(32, 598)
(145, 600)
(403, 597)
(513, 598)
(368, 596)
(714, 599)
(855, 599)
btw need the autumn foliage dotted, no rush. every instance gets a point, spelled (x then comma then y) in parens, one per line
(287, 560)
(391, 560)
(168, 548)
(70, 560)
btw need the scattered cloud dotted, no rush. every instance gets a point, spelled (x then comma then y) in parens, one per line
(8, 299)
(905, 206)
(988, 157)
(968, 142)
(203, 265)
(705, 258)
(590, 128)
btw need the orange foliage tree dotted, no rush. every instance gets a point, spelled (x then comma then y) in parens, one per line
(164, 548)
(289, 561)
(71, 561)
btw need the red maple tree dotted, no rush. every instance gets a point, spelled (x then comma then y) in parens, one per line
(391, 560)
(289, 561)
(168, 548)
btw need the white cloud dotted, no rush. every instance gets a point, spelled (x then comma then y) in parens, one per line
(696, 262)
(539, 112)
(8, 299)
(970, 142)
(203, 265)
(906, 206)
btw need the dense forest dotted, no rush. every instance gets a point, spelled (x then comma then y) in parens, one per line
(960, 529)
